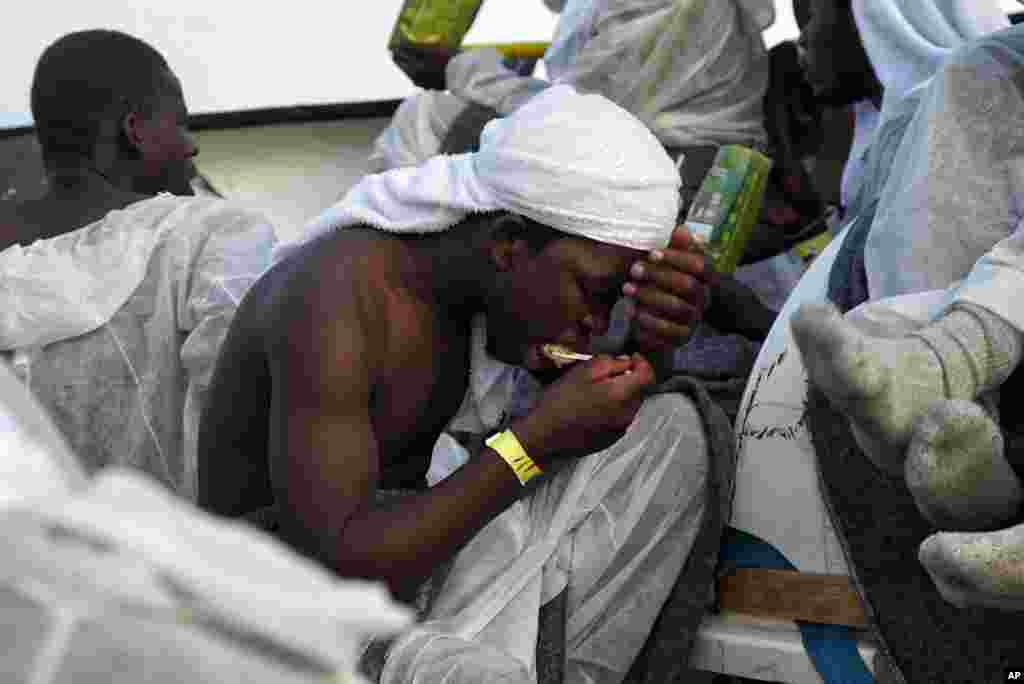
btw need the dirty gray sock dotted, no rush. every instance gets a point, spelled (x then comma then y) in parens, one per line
(879, 384)
(956, 469)
(977, 568)
(883, 384)
(978, 349)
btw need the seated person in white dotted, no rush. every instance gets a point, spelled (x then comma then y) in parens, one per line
(115, 295)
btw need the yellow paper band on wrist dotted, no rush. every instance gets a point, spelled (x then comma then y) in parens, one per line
(506, 445)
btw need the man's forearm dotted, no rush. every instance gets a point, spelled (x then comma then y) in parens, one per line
(404, 541)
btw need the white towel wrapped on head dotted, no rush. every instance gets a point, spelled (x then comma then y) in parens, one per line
(577, 163)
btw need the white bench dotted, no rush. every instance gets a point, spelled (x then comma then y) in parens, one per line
(759, 648)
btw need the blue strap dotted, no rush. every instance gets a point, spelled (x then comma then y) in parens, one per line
(832, 648)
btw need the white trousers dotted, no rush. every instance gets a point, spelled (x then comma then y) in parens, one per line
(614, 530)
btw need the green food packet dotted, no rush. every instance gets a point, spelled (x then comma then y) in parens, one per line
(434, 23)
(809, 249)
(728, 204)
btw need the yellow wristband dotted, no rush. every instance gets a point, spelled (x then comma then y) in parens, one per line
(506, 445)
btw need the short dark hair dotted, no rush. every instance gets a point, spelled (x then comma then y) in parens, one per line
(536, 234)
(86, 78)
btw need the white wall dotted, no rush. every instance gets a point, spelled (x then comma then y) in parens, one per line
(234, 55)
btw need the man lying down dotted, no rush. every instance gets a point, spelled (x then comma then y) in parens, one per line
(420, 306)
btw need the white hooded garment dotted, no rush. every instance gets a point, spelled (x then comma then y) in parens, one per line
(114, 580)
(694, 71)
(951, 213)
(907, 42)
(116, 327)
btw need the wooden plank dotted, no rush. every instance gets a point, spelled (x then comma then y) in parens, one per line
(791, 595)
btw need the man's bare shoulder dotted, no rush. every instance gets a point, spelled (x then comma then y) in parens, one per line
(335, 296)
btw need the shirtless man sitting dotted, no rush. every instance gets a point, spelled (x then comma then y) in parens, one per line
(421, 294)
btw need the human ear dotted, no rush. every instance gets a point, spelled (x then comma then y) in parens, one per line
(508, 244)
(132, 127)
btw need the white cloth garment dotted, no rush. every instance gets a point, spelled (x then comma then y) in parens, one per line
(694, 71)
(116, 580)
(577, 163)
(614, 529)
(417, 130)
(954, 205)
(34, 459)
(115, 327)
(777, 492)
(907, 42)
(865, 122)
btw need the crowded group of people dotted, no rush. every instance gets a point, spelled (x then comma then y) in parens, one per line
(377, 402)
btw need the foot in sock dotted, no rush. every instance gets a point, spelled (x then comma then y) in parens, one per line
(956, 469)
(880, 384)
(977, 569)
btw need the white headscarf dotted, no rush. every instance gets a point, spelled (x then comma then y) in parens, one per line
(577, 163)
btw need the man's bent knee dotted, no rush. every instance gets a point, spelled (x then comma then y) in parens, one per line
(672, 422)
(666, 436)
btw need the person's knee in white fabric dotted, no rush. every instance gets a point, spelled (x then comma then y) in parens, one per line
(665, 443)
(456, 660)
(675, 416)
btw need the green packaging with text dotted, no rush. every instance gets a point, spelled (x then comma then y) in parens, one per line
(434, 23)
(728, 204)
